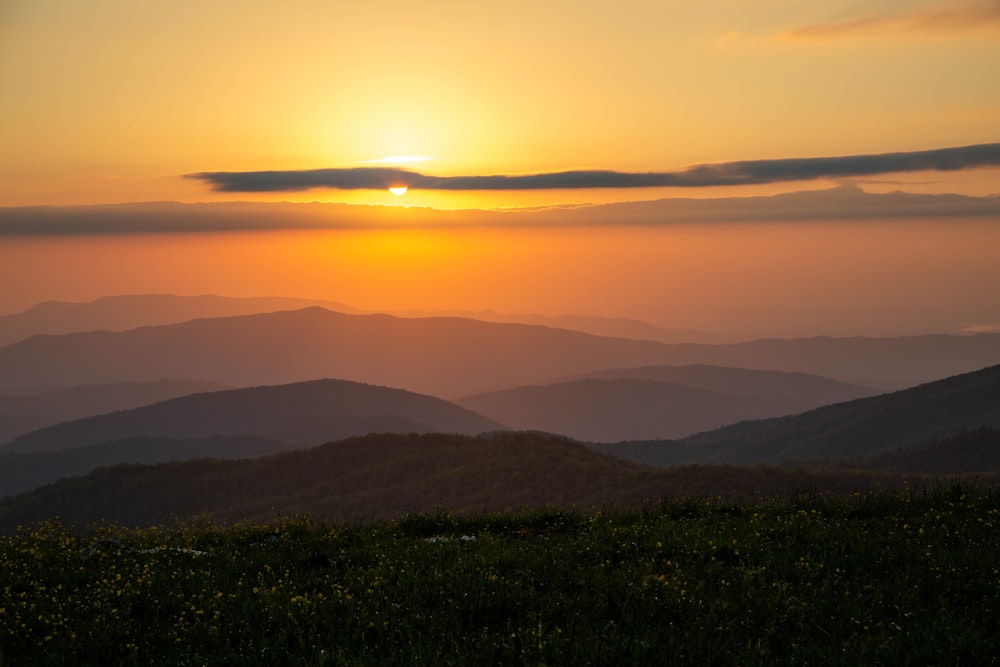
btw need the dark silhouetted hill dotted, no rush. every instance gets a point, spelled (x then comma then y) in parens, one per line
(20, 472)
(389, 475)
(305, 413)
(969, 452)
(21, 414)
(864, 427)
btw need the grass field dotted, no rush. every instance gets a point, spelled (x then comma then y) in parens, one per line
(882, 578)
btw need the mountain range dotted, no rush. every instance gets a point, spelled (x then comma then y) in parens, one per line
(252, 387)
(389, 475)
(895, 433)
(865, 427)
(252, 422)
(446, 357)
(229, 424)
(658, 401)
(130, 311)
(303, 414)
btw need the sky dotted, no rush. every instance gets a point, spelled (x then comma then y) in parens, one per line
(483, 106)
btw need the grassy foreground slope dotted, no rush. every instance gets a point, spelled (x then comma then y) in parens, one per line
(905, 578)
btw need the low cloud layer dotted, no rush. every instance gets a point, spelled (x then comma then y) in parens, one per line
(750, 172)
(842, 203)
(943, 18)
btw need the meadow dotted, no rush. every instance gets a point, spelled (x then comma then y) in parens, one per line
(906, 577)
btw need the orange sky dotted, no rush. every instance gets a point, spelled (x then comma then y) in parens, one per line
(841, 278)
(120, 101)
(115, 100)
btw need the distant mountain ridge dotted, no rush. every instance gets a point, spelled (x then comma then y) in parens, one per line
(447, 357)
(808, 389)
(130, 311)
(658, 402)
(439, 356)
(614, 327)
(617, 409)
(306, 413)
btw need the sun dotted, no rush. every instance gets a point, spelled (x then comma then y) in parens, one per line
(400, 159)
(398, 190)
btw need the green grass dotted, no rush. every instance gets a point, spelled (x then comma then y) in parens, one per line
(883, 578)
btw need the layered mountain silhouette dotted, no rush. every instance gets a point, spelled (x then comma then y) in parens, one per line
(306, 413)
(865, 427)
(658, 402)
(807, 389)
(130, 311)
(21, 414)
(439, 356)
(447, 357)
(614, 327)
(389, 475)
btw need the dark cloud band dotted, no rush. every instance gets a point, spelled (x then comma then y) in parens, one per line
(727, 173)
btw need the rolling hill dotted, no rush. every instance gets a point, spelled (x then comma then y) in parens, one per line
(805, 389)
(20, 471)
(658, 402)
(21, 414)
(446, 357)
(968, 452)
(389, 475)
(305, 413)
(856, 429)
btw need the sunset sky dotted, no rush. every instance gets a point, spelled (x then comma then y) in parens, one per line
(115, 101)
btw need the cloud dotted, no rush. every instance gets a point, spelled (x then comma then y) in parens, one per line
(942, 18)
(750, 172)
(842, 203)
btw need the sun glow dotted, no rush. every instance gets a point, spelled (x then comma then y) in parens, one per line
(400, 159)
(398, 190)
